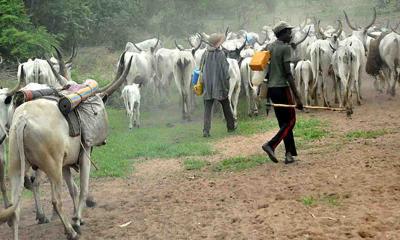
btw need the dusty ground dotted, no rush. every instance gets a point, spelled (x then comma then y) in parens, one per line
(355, 186)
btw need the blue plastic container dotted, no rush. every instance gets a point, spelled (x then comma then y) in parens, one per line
(195, 76)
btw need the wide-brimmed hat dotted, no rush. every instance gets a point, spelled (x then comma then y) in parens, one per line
(216, 39)
(281, 26)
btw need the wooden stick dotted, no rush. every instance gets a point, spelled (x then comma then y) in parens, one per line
(308, 107)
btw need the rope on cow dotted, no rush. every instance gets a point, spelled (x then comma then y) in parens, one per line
(88, 156)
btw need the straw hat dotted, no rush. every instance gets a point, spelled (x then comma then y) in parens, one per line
(216, 39)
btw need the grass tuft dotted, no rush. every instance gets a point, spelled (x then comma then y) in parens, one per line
(362, 134)
(240, 163)
(308, 201)
(193, 164)
(310, 129)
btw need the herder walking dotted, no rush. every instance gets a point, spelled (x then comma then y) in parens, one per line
(281, 88)
(216, 83)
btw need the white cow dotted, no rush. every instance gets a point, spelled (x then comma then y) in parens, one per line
(304, 77)
(234, 85)
(321, 52)
(143, 66)
(145, 45)
(347, 67)
(184, 65)
(165, 59)
(251, 80)
(361, 32)
(389, 50)
(131, 96)
(39, 71)
(43, 118)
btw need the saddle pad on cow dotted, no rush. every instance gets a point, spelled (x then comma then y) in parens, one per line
(75, 94)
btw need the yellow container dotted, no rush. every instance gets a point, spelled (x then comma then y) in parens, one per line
(260, 60)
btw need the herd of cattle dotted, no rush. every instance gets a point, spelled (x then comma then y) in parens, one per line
(321, 57)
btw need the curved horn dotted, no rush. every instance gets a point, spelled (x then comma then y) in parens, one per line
(61, 63)
(348, 22)
(158, 40)
(333, 49)
(73, 54)
(226, 32)
(244, 44)
(178, 47)
(120, 69)
(62, 81)
(198, 46)
(339, 29)
(373, 20)
(394, 30)
(21, 82)
(320, 31)
(304, 38)
(117, 83)
(1, 59)
(138, 48)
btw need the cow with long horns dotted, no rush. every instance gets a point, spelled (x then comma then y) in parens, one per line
(43, 118)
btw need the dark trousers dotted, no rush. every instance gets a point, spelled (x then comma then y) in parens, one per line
(286, 118)
(208, 106)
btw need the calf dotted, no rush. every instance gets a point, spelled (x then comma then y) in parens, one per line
(131, 96)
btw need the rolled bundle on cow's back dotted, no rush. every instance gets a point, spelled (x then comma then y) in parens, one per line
(75, 94)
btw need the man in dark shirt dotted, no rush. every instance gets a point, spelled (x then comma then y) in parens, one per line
(216, 83)
(281, 88)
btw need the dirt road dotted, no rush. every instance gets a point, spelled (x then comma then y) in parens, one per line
(339, 189)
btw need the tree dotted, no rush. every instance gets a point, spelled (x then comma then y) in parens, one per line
(18, 37)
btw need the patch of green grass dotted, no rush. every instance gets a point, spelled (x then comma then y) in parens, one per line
(309, 129)
(331, 200)
(193, 164)
(308, 201)
(363, 134)
(240, 163)
(162, 135)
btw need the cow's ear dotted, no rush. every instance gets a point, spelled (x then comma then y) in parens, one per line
(8, 100)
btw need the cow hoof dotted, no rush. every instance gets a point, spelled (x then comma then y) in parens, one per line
(90, 202)
(73, 236)
(77, 228)
(42, 219)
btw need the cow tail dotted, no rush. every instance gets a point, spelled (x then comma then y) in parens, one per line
(9, 212)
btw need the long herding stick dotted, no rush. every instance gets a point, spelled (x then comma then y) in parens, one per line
(308, 107)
